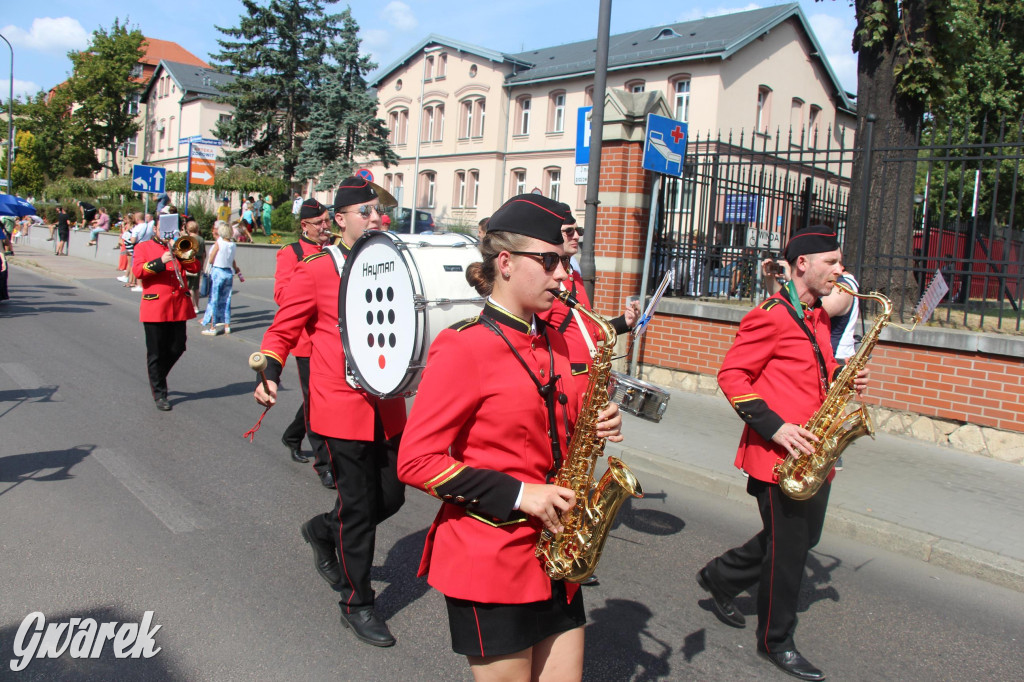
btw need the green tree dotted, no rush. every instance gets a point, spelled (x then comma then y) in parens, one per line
(58, 151)
(276, 51)
(103, 91)
(343, 121)
(26, 172)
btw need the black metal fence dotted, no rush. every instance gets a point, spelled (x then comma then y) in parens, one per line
(739, 200)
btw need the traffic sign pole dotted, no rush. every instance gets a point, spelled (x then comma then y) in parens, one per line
(188, 175)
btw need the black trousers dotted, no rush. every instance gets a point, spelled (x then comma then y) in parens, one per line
(773, 560)
(165, 342)
(368, 493)
(300, 427)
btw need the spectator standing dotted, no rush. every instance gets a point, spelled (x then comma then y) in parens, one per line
(124, 262)
(100, 224)
(268, 209)
(481, 228)
(7, 228)
(257, 211)
(296, 205)
(141, 232)
(248, 220)
(63, 231)
(222, 262)
(224, 210)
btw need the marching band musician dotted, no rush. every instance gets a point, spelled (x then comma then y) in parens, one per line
(166, 306)
(316, 233)
(579, 332)
(486, 445)
(776, 375)
(361, 431)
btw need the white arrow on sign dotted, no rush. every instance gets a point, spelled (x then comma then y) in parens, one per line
(142, 183)
(204, 175)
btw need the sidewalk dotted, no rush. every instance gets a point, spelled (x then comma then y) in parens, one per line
(956, 510)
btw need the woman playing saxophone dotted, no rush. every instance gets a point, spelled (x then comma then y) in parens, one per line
(495, 413)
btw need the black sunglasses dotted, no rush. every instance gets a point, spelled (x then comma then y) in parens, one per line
(569, 230)
(549, 259)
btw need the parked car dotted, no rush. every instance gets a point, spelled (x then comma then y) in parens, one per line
(400, 221)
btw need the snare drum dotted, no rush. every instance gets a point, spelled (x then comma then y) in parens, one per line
(398, 291)
(638, 397)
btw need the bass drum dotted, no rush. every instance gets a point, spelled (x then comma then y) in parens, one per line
(398, 291)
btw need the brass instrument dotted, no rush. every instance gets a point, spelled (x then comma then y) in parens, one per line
(336, 239)
(572, 555)
(183, 248)
(801, 475)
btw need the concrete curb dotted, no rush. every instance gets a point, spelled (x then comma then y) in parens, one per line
(948, 554)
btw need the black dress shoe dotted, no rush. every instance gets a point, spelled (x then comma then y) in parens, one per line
(794, 664)
(325, 556)
(163, 405)
(591, 581)
(368, 627)
(327, 478)
(297, 455)
(725, 610)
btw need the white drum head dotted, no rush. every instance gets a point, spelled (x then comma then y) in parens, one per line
(378, 314)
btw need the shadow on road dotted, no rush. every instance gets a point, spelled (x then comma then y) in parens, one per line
(399, 571)
(105, 667)
(19, 396)
(616, 635)
(17, 469)
(225, 391)
(645, 520)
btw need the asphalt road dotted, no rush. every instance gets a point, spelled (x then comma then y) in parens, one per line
(109, 509)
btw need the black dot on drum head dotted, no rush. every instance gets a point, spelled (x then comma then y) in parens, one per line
(380, 295)
(369, 340)
(369, 295)
(380, 340)
(380, 317)
(369, 317)
(391, 294)
(392, 341)
(391, 316)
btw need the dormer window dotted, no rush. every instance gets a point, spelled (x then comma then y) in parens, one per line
(667, 33)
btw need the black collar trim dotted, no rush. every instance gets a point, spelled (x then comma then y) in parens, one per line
(508, 319)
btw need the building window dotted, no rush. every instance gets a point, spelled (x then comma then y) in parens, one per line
(131, 146)
(635, 86)
(480, 117)
(471, 123)
(398, 85)
(133, 105)
(518, 182)
(812, 123)
(427, 189)
(588, 96)
(161, 128)
(554, 180)
(398, 126)
(442, 65)
(467, 119)
(460, 189)
(474, 188)
(556, 123)
(796, 117)
(397, 193)
(137, 71)
(427, 133)
(428, 69)
(472, 71)
(764, 109)
(524, 116)
(389, 183)
(682, 99)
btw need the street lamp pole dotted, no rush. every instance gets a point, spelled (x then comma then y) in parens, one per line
(419, 136)
(10, 119)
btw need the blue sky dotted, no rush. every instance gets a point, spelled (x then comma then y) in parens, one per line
(42, 34)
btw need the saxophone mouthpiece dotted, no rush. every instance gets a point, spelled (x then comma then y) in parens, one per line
(565, 297)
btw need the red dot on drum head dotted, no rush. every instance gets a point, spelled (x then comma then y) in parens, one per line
(381, 361)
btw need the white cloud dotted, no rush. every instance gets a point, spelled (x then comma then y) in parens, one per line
(836, 37)
(699, 12)
(49, 35)
(22, 89)
(374, 39)
(399, 15)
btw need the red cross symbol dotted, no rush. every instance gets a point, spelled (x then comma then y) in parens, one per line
(677, 135)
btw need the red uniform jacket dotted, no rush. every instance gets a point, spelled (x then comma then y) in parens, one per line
(287, 259)
(478, 429)
(336, 409)
(163, 297)
(560, 317)
(771, 376)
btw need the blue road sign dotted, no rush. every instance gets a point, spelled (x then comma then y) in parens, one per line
(148, 178)
(665, 146)
(365, 174)
(583, 135)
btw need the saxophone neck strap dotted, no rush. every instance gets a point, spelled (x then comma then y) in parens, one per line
(797, 315)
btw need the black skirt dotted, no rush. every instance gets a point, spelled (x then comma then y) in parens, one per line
(497, 629)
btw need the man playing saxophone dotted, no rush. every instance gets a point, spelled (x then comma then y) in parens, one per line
(776, 375)
(495, 414)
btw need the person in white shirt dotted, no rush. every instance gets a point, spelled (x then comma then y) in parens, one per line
(222, 262)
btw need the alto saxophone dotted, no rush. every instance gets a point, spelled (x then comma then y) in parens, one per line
(801, 475)
(572, 554)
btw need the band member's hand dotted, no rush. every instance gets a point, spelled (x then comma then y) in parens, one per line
(262, 397)
(795, 439)
(632, 313)
(547, 503)
(166, 257)
(860, 382)
(609, 421)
